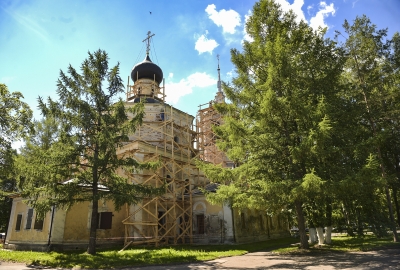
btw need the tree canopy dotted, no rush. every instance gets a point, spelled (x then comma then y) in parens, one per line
(15, 123)
(81, 163)
(303, 140)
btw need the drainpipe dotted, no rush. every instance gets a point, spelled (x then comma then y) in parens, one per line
(233, 224)
(222, 224)
(51, 226)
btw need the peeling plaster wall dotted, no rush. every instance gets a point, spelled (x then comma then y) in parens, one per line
(77, 225)
(26, 238)
(217, 222)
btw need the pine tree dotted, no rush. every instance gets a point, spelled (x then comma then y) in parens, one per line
(92, 123)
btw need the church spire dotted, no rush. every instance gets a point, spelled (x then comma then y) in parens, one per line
(219, 97)
(219, 76)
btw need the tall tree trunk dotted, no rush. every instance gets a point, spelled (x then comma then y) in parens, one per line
(320, 233)
(301, 224)
(95, 207)
(93, 225)
(349, 228)
(328, 231)
(396, 204)
(392, 222)
(312, 232)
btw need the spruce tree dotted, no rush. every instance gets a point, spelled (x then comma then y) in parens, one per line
(93, 123)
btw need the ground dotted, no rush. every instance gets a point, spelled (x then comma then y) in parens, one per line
(380, 259)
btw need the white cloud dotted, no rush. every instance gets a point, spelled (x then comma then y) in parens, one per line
(203, 44)
(296, 7)
(175, 91)
(170, 75)
(316, 21)
(324, 11)
(246, 36)
(228, 19)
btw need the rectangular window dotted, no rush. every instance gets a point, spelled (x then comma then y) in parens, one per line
(38, 225)
(29, 219)
(18, 223)
(104, 220)
(200, 224)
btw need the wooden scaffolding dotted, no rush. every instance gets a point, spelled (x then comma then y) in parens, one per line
(207, 118)
(167, 135)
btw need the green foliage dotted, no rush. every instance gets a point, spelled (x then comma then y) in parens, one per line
(92, 124)
(278, 127)
(371, 71)
(15, 122)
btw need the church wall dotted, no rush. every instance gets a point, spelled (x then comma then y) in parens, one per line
(158, 130)
(253, 226)
(26, 236)
(57, 234)
(77, 225)
(217, 222)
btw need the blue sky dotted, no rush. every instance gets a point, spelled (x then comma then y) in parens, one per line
(40, 37)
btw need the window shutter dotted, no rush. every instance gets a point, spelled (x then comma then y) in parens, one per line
(18, 223)
(105, 220)
(29, 219)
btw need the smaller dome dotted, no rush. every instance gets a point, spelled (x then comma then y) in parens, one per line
(147, 70)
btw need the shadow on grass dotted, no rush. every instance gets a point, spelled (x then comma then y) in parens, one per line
(111, 259)
(138, 256)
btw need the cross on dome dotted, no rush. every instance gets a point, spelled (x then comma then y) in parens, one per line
(147, 40)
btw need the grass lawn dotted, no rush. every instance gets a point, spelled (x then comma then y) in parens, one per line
(344, 243)
(177, 254)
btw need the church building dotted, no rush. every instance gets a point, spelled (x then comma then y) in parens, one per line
(180, 216)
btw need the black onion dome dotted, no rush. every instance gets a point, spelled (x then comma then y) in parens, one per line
(147, 69)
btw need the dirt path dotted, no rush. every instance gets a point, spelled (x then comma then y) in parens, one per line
(382, 259)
